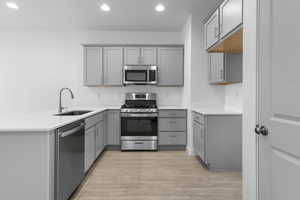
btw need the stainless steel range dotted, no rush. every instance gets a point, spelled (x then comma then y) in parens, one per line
(139, 127)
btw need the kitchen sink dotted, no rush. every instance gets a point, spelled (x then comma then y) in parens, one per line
(74, 113)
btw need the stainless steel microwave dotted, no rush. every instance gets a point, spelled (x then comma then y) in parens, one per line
(139, 75)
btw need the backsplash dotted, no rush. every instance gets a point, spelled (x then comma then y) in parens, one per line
(234, 97)
(115, 96)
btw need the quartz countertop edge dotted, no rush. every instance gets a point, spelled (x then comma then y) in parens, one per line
(44, 122)
(216, 111)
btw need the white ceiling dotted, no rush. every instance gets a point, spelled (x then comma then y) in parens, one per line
(85, 14)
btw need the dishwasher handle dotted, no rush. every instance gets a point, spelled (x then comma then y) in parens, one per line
(71, 131)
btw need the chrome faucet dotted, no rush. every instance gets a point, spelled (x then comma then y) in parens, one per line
(60, 107)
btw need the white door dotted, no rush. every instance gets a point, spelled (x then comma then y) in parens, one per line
(279, 100)
(231, 16)
(132, 56)
(212, 29)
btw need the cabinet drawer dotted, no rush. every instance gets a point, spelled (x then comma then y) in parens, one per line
(172, 124)
(198, 118)
(172, 113)
(93, 120)
(172, 138)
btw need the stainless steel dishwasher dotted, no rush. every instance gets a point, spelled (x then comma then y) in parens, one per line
(69, 159)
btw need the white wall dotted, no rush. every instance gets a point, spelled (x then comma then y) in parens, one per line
(35, 64)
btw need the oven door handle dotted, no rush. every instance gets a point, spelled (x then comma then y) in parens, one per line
(139, 115)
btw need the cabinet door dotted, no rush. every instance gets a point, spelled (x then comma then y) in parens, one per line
(148, 56)
(113, 128)
(132, 56)
(113, 64)
(170, 66)
(199, 140)
(231, 15)
(90, 146)
(99, 138)
(212, 29)
(216, 67)
(93, 69)
(196, 138)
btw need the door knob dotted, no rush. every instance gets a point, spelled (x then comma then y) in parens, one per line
(261, 130)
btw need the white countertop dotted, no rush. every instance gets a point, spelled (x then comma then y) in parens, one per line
(215, 110)
(171, 107)
(44, 121)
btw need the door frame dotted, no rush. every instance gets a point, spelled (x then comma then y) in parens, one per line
(251, 90)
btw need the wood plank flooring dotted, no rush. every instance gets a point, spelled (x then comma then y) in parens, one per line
(165, 175)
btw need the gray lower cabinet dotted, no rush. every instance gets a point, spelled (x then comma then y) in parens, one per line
(172, 126)
(113, 127)
(170, 66)
(218, 141)
(225, 68)
(100, 138)
(90, 148)
(94, 138)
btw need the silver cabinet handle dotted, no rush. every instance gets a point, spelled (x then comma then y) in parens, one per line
(72, 131)
(172, 122)
(172, 136)
(221, 74)
(216, 32)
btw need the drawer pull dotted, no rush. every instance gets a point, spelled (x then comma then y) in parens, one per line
(172, 122)
(172, 136)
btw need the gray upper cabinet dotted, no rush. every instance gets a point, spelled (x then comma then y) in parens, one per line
(113, 64)
(113, 127)
(140, 56)
(148, 56)
(216, 70)
(170, 66)
(132, 55)
(93, 66)
(225, 68)
(231, 16)
(212, 29)
(103, 65)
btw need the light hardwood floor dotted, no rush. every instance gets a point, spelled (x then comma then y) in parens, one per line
(165, 175)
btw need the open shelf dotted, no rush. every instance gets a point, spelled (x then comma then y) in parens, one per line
(231, 44)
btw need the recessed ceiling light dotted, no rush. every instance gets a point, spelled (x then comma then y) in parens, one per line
(160, 7)
(12, 5)
(105, 7)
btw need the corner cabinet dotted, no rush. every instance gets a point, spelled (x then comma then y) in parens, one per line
(113, 127)
(170, 66)
(231, 16)
(225, 68)
(212, 29)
